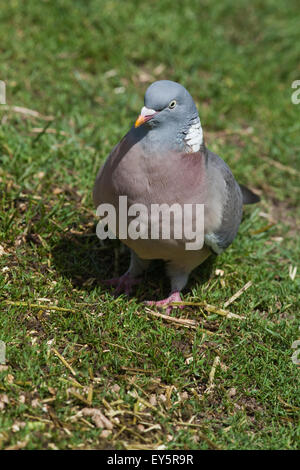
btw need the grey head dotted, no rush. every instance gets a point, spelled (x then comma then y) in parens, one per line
(169, 119)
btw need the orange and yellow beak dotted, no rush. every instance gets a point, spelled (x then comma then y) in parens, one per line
(140, 120)
(146, 115)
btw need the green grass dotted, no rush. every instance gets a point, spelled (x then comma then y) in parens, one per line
(87, 64)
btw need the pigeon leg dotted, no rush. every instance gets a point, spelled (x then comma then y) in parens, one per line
(129, 279)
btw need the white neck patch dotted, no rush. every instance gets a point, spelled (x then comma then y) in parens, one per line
(194, 136)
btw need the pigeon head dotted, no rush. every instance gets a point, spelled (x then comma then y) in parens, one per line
(171, 112)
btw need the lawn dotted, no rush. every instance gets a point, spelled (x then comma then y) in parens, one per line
(86, 370)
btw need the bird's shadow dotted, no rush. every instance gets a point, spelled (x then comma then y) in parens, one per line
(86, 261)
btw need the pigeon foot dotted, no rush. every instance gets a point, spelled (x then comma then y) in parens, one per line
(174, 297)
(122, 284)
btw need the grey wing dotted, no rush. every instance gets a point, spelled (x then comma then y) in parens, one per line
(102, 181)
(98, 186)
(104, 177)
(232, 204)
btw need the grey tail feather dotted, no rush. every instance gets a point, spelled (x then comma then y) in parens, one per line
(248, 196)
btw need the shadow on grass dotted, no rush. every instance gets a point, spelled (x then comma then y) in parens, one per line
(86, 261)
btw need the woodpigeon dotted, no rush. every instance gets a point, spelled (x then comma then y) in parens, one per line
(163, 160)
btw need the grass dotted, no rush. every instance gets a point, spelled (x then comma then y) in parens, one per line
(87, 65)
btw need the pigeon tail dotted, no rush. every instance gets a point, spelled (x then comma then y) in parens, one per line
(249, 197)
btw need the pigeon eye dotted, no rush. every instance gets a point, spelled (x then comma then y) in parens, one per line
(172, 104)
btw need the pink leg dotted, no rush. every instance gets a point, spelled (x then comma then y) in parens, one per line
(123, 283)
(174, 297)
